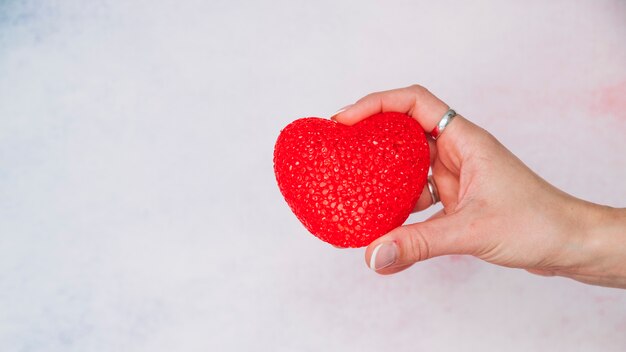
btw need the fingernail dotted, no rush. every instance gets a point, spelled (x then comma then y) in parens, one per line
(384, 255)
(341, 110)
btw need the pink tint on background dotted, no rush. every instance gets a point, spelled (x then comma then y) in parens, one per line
(611, 100)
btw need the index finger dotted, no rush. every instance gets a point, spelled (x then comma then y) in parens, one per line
(415, 101)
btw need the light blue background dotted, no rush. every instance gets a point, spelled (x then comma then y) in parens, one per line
(138, 206)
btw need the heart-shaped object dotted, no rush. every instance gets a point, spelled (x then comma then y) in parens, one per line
(349, 185)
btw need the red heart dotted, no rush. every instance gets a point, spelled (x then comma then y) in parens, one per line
(349, 185)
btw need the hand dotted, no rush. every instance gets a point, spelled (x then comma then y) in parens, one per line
(494, 206)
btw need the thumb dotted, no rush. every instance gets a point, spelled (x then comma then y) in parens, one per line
(413, 243)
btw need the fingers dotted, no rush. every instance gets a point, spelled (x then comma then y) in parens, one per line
(415, 101)
(409, 244)
(424, 201)
(432, 148)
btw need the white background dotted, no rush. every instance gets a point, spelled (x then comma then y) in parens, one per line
(138, 206)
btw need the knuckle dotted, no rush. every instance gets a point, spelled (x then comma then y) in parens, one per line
(418, 247)
(487, 139)
(417, 89)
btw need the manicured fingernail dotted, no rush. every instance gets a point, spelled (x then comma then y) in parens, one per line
(341, 110)
(384, 255)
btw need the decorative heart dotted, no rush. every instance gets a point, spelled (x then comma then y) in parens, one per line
(349, 185)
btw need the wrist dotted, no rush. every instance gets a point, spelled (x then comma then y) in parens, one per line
(600, 250)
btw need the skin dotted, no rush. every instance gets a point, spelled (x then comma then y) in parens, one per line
(495, 207)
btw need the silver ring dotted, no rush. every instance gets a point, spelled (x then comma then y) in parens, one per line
(443, 123)
(434, 194)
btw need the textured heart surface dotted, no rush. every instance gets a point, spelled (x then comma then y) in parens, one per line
(349, 185)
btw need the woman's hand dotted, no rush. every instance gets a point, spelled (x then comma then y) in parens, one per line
(494, 206)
